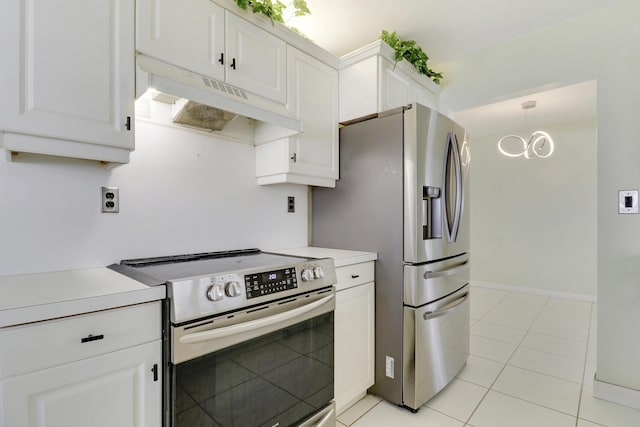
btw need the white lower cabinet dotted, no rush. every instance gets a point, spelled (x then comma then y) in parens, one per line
(114, 389)
(354, 333)
(84, 370)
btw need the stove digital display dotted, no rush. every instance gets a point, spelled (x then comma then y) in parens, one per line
(270, 282)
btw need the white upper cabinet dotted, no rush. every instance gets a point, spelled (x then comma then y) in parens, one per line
(295, 79)
(371, 82)
(204, 38)
(310, 157)
(67, 78)
(256, 60)
(183, 32)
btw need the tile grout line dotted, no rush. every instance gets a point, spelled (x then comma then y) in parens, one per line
(507, 364)
(535, 332)
(577, 416)
(499, 373)
(546, 305)
(581, 381)
(584, 367)
(364, 413)
(465, 423)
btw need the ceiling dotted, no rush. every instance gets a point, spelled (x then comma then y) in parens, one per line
(562, 105)
(445, 29)
(450, 29)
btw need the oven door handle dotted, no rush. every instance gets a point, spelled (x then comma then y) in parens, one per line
(213, 334)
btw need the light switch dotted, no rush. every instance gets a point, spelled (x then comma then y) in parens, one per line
(628, 201)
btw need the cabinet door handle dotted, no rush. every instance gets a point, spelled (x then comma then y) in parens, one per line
(355, 276)
(128, 123)
(233, 63)
(155, 372)
(92, 338)
(294, 157)
(221, 60)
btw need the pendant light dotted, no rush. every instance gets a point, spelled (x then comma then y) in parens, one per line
(540, 144)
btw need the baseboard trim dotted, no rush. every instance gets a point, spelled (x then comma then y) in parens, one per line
(616, 394)
(535, 291)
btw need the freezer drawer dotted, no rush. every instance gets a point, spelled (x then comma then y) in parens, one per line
(429, 282)
(436, 346)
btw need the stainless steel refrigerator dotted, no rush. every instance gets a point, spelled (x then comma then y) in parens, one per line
(403, 192)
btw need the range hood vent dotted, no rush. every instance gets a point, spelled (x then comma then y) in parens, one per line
(210, 104)
(201, 116)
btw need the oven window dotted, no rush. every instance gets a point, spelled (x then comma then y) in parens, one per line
(277, 379)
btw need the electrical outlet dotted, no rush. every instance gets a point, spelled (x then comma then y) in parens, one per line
(110, 201)
(389, 367)
(291, 204)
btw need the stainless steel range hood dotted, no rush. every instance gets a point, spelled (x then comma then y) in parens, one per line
(212, 100)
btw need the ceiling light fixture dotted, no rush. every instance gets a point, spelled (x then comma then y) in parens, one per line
(540, 144)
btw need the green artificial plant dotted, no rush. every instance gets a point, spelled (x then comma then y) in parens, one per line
(273, 8)
(407, 49)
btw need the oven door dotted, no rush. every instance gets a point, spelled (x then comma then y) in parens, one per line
(264, 369)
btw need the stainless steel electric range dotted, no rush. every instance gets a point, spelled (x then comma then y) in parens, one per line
(248, 337)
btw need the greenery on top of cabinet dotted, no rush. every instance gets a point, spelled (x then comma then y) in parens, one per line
(407, 49)
(273, 9)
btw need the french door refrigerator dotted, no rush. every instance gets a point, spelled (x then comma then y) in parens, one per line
(403, 193)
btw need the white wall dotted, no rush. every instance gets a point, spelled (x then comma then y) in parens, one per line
(602, 45)
(533, 221)
(182, 192)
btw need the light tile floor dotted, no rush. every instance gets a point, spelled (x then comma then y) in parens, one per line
(532, 363)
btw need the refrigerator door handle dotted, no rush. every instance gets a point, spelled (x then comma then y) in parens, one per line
(460, 192)
(453, 196)
(453, 306)
(456, 269)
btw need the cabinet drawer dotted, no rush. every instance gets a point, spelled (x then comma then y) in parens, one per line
(38, 346)
(355, 274)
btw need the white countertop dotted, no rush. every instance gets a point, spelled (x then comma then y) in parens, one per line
(341, 257)
(34, 297)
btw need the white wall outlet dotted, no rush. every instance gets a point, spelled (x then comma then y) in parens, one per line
(389, 367)
(628, 201)
(110, 200)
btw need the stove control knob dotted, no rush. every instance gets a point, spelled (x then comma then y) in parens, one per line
(318, 272)
(215, 293)
(307, 275)
(232, 289)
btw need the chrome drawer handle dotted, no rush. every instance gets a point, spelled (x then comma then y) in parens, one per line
(447, 272)
(92, 338)
(452, 306)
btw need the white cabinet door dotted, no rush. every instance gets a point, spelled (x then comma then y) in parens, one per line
(314, 100)
(203, 37)
(354, 343)
(256, 60)
(395, 86)
(68, 70)
(423, 96)
(114, 389)
(399, 88)
(371, 81)
(310, 157)
(188, 33)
